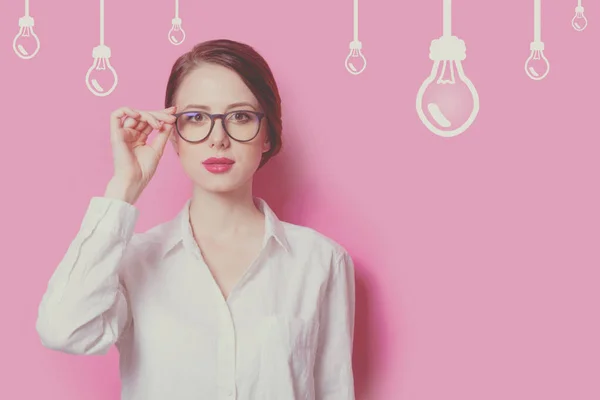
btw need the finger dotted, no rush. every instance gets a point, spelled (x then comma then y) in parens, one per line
(161, 139)
(131, 123)
(142, 126)
(170, 110)
(124, 136)
(123, 111)
(163, 116)
(144, 130)
(147, 129)
(117, 115)
(131, 135)
(149, 118)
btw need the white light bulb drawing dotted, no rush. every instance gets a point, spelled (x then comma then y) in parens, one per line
(356, 61)
(101, 79)
(26, 44)
(537, 65)
(176, 34)
(447, 101)
(579, 21)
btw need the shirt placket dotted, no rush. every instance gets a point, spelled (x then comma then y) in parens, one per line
(226, 355)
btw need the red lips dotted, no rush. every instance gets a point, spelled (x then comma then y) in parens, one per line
(218, 160)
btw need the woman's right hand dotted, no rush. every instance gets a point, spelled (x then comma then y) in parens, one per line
(135, 160)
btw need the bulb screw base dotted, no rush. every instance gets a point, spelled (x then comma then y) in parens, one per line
(101, 51)
(355, 45)
(26, 22)
(176, 21)
(449, 48)
(579, 9)
(536, 46)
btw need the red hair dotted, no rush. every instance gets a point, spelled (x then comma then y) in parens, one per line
(252, 69)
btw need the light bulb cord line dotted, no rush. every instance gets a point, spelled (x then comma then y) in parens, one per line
(447, 18)
(537, 20)
(176, 8)
(101, 22)
(27, 8)
(579, 3)
(356, 20)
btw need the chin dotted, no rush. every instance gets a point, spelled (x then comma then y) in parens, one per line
(234, 179)
(218, 188)
(222, 183)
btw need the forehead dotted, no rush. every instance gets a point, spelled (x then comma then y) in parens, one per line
(214, 86)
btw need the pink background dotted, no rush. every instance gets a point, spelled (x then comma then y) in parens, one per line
(477, 257)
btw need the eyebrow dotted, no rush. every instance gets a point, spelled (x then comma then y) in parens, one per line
(207, 108)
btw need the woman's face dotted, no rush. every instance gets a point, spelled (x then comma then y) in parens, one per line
(215, 89)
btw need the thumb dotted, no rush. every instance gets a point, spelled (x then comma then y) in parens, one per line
(161, 139)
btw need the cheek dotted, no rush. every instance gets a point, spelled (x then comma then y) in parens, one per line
(257, 150)
(251, 152)
(248, 154)
(190, 156)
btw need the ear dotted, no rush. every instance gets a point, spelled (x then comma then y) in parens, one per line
(266, 146)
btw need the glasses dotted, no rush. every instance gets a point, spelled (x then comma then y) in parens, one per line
(240, 125)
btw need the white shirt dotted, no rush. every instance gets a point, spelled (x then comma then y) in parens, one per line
(285, 331)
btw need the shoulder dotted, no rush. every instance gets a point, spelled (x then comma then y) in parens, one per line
(320, 248)
(152, 243)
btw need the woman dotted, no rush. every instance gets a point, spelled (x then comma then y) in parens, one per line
(224, 301)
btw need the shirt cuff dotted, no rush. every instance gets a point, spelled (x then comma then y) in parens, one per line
(110, 215)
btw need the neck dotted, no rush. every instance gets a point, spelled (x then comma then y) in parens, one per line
(224, 215)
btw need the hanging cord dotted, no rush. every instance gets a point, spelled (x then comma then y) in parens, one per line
(356, 20)
(537, 20)
(447, 27)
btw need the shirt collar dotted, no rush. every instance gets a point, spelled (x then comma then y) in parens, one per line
(181, 230)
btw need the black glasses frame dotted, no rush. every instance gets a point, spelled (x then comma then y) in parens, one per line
(213, 117)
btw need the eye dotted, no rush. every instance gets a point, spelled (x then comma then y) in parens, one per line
(240, 116)
(194, 117)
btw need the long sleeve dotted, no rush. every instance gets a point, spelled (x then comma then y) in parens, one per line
(84, 309)
(334, 379)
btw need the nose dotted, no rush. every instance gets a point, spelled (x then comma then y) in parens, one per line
(218, 137)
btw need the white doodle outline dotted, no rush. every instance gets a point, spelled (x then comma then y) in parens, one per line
(176, 26)
(537, 46)
(446, 49)
(101, 55)
(579, 14)
(355, 47)
(26, 24)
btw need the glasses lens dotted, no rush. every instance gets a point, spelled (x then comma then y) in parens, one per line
(242, 125)
(193, 126)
